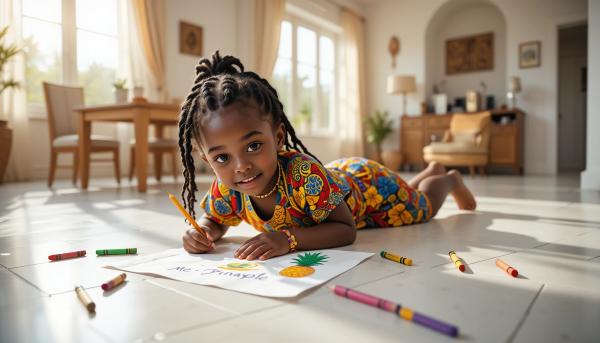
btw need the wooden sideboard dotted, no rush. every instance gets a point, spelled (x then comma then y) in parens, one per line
(506, 143)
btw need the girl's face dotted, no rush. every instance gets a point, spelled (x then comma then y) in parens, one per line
(242, 149)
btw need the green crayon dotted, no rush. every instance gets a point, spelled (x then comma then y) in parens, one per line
(116, 251)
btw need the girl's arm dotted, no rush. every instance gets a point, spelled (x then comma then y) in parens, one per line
(194, 242)
(338, 229)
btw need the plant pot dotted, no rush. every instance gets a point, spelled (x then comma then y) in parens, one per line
(121, 95)
(392, 159)
(376, 156)
(5, 146)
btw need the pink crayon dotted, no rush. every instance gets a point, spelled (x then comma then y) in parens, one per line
(114, 281)
(405, 313)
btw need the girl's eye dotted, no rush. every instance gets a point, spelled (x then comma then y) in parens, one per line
(221, 158)
(253, 147)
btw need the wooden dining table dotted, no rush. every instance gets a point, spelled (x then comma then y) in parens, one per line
(141, 114)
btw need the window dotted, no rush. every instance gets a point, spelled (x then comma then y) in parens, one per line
(305, 76)
(71, 42)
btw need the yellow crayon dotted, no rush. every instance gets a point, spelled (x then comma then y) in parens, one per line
(456, 261)
(396, 258)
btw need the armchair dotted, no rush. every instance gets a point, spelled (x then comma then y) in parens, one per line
(465, 144)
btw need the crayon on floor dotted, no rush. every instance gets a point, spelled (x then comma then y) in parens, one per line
(396, 258)
(67, 255)
(116, 251)
(405, 313)
(456, 261)
(508, 269)
(114, 281)
(85, 298)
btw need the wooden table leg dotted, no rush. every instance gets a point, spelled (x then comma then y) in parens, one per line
(85, 148)
(141, 121)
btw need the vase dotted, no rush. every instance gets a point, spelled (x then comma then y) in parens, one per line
(392, 159)
(5, 146)
(121, 95)
(376, 156)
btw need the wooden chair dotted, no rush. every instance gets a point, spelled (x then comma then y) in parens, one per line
(64, 137)
(158, 147)
(465, 144)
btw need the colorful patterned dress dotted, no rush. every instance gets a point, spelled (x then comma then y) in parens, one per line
(308, 192)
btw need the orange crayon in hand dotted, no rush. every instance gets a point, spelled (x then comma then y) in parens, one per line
(508, 269)
(186, 214)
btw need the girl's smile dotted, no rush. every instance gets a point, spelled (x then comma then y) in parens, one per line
(250, 182)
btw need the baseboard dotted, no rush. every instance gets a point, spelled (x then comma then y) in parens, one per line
(590, 179)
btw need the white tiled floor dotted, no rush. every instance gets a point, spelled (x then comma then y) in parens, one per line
(545, 227)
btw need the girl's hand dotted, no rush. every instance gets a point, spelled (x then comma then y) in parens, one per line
(195, 243)
(264, 246)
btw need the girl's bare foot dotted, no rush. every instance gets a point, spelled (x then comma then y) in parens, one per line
(463, 197)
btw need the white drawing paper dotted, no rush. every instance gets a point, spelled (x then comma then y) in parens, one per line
(277, 277)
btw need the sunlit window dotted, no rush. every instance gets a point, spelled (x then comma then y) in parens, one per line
(305, 76)
(42, 43)
(97, 49)
(93, 56)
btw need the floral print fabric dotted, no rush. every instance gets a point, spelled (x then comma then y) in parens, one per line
(308, 192)
(382, 198)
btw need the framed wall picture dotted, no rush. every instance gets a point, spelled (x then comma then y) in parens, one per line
(530, 55)
(190, 39)
(473, 53)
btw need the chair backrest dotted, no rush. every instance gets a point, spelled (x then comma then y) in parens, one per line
(473, 121)
(62, 120)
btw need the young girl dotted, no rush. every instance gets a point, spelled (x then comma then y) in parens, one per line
(267, 178)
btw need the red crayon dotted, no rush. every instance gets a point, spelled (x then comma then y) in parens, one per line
(510, 270)
(66, 255)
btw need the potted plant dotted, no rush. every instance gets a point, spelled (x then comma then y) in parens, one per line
(6, 53)
(379, 128)
(120, 90)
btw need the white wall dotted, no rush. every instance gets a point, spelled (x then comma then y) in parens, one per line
(467, 21)
(525, 21)
(590, 178)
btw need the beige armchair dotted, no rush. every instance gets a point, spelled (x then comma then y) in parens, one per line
(465, 144)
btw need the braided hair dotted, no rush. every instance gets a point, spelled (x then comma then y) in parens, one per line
(220, 82)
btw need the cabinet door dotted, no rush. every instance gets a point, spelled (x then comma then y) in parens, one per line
(502, 148)
(412, 146)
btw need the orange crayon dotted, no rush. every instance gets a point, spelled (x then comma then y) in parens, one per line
(508, 269)
(186, 214)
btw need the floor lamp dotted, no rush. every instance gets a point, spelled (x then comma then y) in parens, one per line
(398, 84)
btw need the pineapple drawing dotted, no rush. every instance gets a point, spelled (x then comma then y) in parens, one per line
(304, 265)
(240, 266)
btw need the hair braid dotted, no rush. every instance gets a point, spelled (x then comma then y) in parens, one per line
(220, 82)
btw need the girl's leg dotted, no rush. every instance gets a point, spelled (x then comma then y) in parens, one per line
(434, 168)
(437, 187)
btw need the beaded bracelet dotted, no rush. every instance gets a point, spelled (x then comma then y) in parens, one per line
(291, 239)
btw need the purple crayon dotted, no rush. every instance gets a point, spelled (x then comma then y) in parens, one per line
(403, 312)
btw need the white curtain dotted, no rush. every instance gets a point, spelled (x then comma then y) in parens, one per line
(147, 26)
(13, 102)
(355, 96)
(268, 16)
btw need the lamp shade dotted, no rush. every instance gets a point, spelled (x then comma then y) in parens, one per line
(401, 84)
(515, 84)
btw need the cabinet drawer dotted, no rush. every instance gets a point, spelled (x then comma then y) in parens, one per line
(439, 122)
(411, 123)
(504, 129)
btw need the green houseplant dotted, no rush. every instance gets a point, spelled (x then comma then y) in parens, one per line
(120, 90)
(379, 128)
(6, 53)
